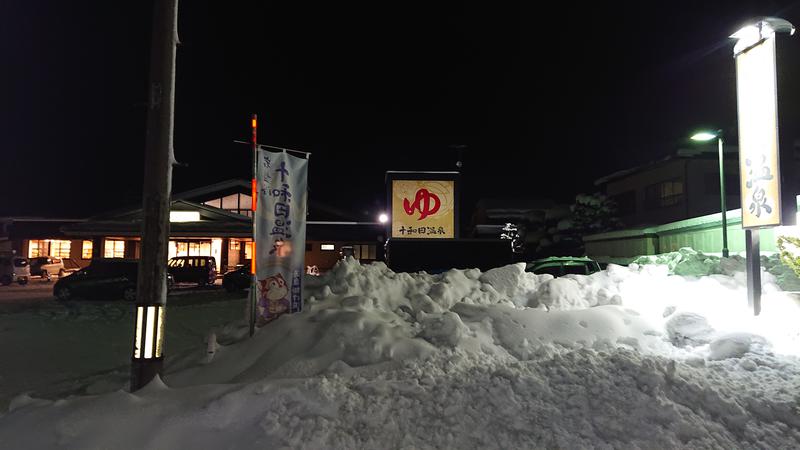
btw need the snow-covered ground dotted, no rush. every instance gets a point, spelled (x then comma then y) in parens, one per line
(51, 350)
(631, 357)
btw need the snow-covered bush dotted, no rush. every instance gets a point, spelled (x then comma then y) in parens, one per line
(789, 247)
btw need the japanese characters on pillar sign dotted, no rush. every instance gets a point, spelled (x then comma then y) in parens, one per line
(759, 163)
(280, 233)
(423, 209)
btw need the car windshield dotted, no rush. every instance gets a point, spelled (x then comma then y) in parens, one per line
(552, 270)
(575, 269)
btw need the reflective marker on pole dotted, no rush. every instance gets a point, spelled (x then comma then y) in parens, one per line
(252, 258)
(254, 282)
(137, 344)
(254, 194)
(149, 340)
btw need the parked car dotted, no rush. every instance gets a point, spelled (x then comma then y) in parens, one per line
(47, 266)
(564, 265)
(14, 268)
(237, 279)
(193, 269)
(110, 278)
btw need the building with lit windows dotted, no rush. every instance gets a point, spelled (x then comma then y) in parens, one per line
(213, 221)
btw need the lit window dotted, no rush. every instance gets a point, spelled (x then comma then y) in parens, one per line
(215, 203)
(231, 203)
(86, 250)
(248, 250)
(37, 248)
(60, 249)
(114, 249)
(245, 203)
(327, 247)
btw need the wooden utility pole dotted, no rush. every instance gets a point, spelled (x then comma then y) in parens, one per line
(151, 292)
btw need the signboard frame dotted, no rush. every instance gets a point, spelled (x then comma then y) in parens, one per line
(759, 148)
(454, 177)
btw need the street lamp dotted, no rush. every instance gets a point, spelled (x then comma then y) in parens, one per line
(705, 136)
(383, 218)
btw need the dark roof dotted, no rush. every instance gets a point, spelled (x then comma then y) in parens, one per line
(318, 231)
(33, 227)
(730, 152)
(211, 191)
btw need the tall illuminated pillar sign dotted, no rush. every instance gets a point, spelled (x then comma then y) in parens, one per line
(767, 198)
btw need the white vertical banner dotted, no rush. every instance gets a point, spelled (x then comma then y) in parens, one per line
(280, 233)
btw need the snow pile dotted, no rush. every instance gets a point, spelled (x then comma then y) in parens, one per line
(628, 357)
(689, 262)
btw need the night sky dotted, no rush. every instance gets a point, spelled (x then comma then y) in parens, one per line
(545, 99)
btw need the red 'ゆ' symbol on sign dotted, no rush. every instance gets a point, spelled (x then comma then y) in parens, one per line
(427, 203)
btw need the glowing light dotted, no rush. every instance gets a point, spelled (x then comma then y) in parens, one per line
(703, 136)
(327, 247)
(383, 218)
(747, 37)
(184, 216)
(752, 34)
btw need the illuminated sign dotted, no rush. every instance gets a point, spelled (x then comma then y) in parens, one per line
(423, 209)
(184, 216)
(759, 163)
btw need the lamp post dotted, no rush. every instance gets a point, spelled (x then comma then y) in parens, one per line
(705, 136)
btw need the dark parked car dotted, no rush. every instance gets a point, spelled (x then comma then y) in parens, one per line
(565, 265)
(193, 269)
(111, 278)
(237, 279)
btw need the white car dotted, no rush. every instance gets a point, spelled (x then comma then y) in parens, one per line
(47, 266)
(14, 268)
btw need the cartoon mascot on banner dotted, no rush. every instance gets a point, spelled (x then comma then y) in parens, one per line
(273, 298)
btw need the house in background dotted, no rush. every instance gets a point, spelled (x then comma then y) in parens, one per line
(213, 221)
(680, 186)
(41, 236)
(675, 202)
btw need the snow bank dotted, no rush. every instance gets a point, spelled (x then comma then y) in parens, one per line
(689, 262)
(627, 357)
